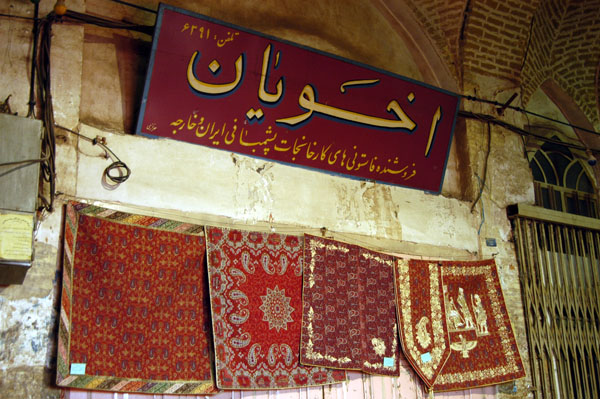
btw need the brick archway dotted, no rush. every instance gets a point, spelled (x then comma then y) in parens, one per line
(571, 112)
(432, 66)
(574, 116)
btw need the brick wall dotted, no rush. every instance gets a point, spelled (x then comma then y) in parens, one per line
(576, 55)
(496, 34)
(501, 41)
(442, 22)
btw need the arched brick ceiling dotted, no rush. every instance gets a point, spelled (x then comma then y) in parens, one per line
(524, 42)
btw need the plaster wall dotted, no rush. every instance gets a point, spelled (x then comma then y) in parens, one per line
(96, 93)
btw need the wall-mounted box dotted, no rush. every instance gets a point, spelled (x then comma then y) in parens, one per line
(20, 140)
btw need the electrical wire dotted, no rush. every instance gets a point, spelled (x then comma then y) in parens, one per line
(17, 17)
(117, 165)
(482, 205)
(485, 166)
(134, 6)
(35, 30)
(117, 172)
(48, 168)
(519, 109)
(516, 129)
(74, 16)
(466, 14)
(77, 17)
(23, 162)
(528, 42)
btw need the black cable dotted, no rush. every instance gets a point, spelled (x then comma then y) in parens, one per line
(36, 24)
(17, 16)
(43, 72)
(135, 6)
(528, 42)
(48, 168)
(116, 165)
(485, 165)
(466, 13)
(106, 23)
(518, 130)
(496, 103)
(25, 161)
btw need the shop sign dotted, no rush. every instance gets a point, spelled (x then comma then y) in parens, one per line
(226, 87)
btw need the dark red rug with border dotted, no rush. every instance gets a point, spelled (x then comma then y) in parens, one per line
(134, 309)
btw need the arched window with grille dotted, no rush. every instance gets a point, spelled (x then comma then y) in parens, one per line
(562, 181)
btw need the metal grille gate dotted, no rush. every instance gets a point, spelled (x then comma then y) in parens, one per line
(560, 282)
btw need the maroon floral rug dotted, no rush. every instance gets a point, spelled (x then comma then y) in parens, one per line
(349, 316)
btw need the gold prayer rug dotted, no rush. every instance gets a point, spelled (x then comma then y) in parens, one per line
(421, 317)
(482, 342)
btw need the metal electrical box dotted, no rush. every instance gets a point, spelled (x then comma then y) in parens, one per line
(20, 147)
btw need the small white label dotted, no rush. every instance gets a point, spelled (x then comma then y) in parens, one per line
(426, 357)
(78, 368)
(388, 362)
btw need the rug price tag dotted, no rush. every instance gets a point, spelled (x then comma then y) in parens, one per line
(78, 368)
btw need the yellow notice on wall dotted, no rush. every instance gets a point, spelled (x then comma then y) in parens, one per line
(16, 236)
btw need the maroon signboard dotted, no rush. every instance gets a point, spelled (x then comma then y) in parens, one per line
(225, 87)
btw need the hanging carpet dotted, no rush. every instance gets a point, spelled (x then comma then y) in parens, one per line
(422, 317)
(256, 299)
(134, 304)
(349, 316)
(482, 342)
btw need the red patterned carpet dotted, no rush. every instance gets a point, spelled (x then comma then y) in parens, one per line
(422, 318)
(484, 350)
(135, 310)
(454, 324)
(256, 299)
(134, 304)
(349, 316)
